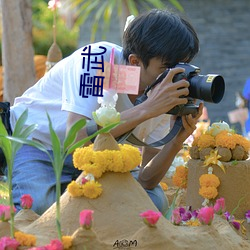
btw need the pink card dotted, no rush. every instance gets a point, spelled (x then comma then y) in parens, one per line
(122, 78)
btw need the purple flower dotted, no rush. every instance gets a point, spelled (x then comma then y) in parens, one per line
(228, 216)
(247, 214)
(195, 214)
(236, 224)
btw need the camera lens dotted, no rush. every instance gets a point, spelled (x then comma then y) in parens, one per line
(209, 88)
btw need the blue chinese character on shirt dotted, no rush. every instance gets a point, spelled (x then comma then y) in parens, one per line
(92, 85)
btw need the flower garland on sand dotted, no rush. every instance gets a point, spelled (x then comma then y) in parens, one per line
(208, 186)
(104, 155)
(222, 142)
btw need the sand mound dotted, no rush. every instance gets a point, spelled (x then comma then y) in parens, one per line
(234, 185)
(117, 224)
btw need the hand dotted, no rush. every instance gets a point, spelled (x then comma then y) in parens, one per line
(188, 125)
(167, 94)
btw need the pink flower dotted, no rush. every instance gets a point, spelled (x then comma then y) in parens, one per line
(150, 217)
(206, 215)
(54, 4)
(219, 206)
(5, 212)
(26, 201)
(176, 217)
(86, 218)
(8, 243)
(55, 245)
(84, 180)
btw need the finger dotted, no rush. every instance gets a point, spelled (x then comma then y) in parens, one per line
(171, 73)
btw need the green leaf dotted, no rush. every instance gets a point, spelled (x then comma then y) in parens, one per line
(5, 144)
(23, 134)
(172, 207)
(71, 136)
(56, 147)
(20, 123)
(32, 143)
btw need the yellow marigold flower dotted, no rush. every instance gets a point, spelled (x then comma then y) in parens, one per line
(27, 240)
(67, 242)
(83, 156)
(75, 189)
(206, 141)
(98, 162)
(225, 139)
(209, 180)
(92, 189)
(193, 223)
(164, 186)
(131, 157)
(180, 177)
(208, 192)
(93, 169)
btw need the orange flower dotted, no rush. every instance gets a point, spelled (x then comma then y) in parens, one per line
(164, 186)
(25, 239)
(209, 180)
(206, 141)
(243, 141)
(180, 177)
(226, 140)
(208, 192)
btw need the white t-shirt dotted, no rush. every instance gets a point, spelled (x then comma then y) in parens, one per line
(60, 91)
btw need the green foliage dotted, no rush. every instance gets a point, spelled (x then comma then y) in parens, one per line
(9, 149)
(102, 10)
(60, 152)
(4, 196)
(42, 19)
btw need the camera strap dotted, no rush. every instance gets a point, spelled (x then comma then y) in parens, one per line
(131, 138)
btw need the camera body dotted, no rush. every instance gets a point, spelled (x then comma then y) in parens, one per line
(209, 88)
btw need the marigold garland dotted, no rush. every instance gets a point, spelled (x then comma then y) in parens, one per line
(95, 163)
(209, 180)
(208, 186)
(206, 141)
(208, 192)
(226, 139)
(180, 177)
(24, 239)
(98, 162)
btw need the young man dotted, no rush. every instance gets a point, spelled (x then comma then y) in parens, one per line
(154, 41)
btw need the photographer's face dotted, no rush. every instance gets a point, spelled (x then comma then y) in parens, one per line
(149, 74)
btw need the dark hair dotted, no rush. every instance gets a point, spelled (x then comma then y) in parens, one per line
(159, 33)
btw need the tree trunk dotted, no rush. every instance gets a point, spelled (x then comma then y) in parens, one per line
(17, 48)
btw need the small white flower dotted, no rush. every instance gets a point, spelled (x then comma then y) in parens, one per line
(217, 127)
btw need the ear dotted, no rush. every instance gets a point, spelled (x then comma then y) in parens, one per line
(134, 60)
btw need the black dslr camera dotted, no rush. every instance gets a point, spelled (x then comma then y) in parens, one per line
(209, 88)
